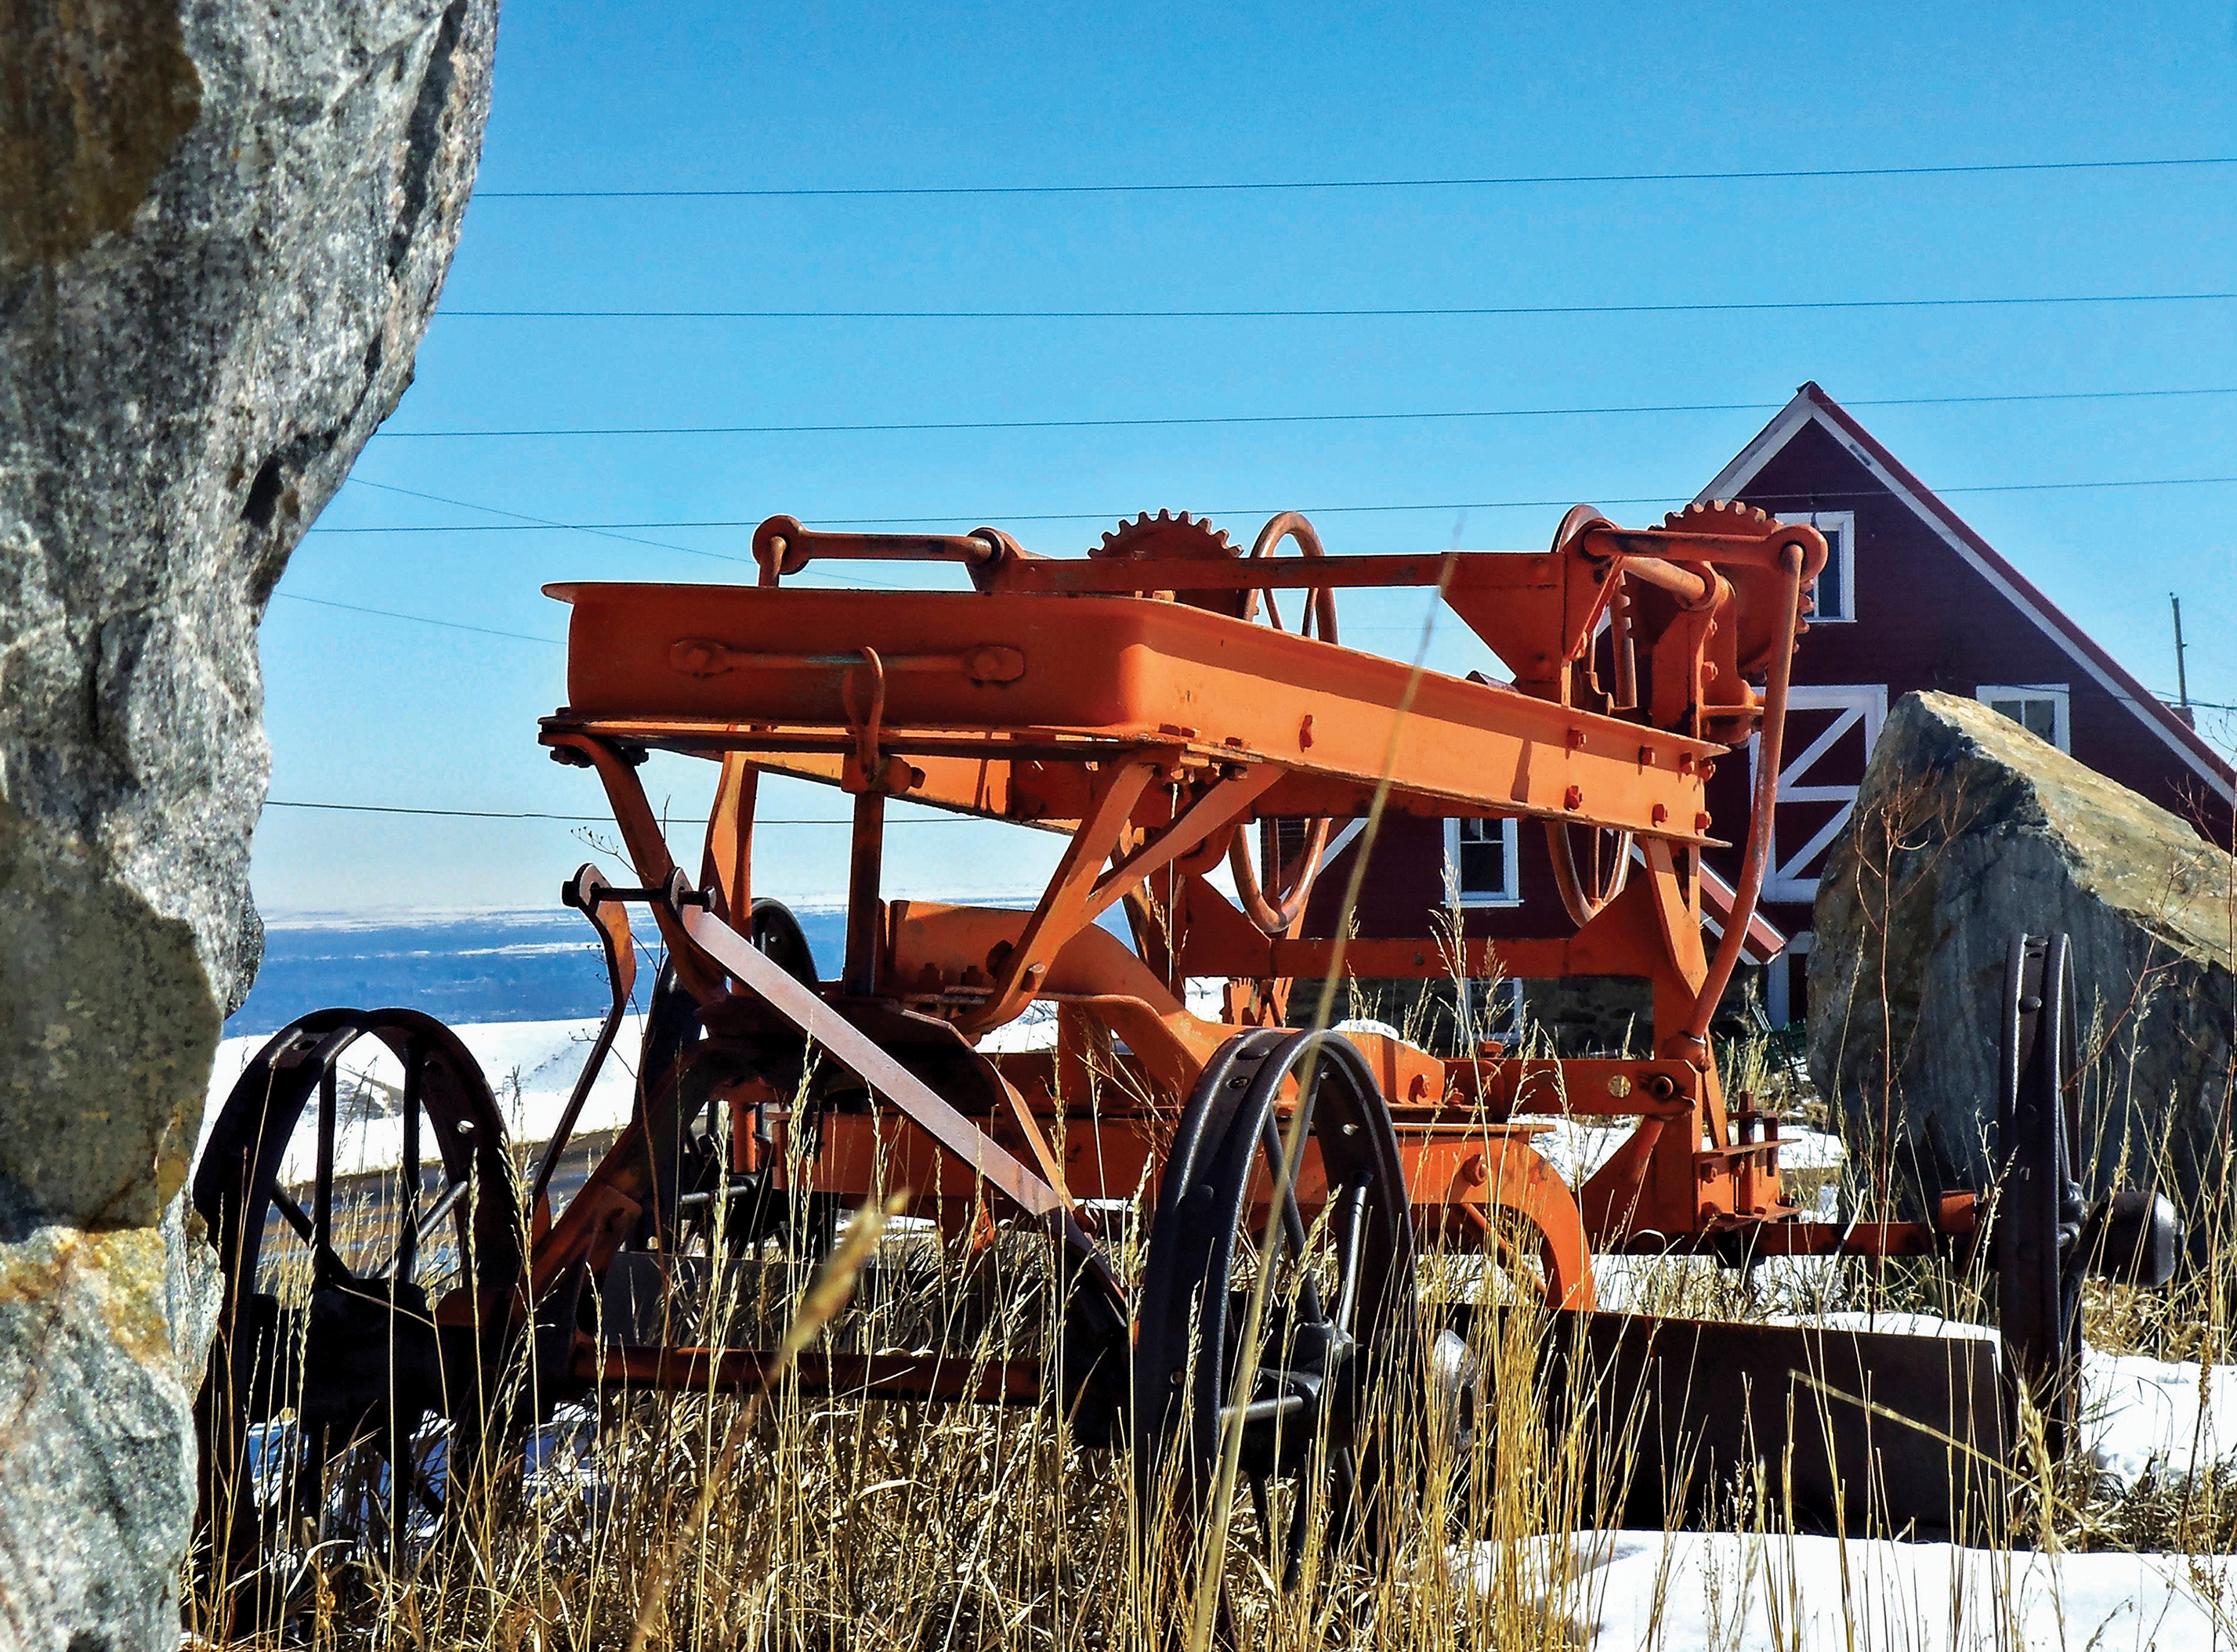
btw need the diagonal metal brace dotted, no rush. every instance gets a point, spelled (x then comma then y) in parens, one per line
(887, 1078)
(1102, 1296)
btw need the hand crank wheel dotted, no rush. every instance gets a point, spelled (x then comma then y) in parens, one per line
(365, 1217)
(1339, 1336)
(2041, 1213)
(1588, 878)
(1274, 903)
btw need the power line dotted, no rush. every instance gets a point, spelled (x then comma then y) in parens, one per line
(1271, 186)
(2169, 702)
(1167, 422)
(464, 504)
(1339, 312)
(521, 523)
(419, 619)
(586, 820)
(1317, 510)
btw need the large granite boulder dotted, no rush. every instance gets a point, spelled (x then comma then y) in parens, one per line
(1969, 828)
(222, 229)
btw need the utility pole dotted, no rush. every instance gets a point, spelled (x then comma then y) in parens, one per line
(2181, 677)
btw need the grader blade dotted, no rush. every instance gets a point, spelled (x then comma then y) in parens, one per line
(1831, 1429)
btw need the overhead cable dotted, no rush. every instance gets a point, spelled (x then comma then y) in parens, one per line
(926, 516)
(1278, 185)
(1319, 313)
(1166, 421)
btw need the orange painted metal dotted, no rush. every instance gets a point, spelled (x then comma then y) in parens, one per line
(1131, 703)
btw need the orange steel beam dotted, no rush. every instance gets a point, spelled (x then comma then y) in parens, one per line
(1152, 730)
(1171, 676)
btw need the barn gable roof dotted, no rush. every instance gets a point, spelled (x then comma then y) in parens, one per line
(1812, 405)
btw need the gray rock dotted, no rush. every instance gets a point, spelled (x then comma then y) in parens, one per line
(222, 229)
(1969, 828)
(98, 1368)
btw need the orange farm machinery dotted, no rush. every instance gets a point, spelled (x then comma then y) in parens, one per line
(1148, 705)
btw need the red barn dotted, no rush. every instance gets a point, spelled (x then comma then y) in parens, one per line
(1911, 598)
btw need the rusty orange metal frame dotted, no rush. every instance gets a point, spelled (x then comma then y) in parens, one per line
(1112, 701)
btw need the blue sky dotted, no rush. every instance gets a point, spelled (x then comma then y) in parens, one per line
(371, 710)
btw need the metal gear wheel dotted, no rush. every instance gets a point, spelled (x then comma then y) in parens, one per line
(1166, 536)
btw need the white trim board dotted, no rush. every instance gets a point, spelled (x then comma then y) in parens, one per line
(1735, 477)
(1855, 705)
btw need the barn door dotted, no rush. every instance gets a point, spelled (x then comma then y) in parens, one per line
(1831, 730)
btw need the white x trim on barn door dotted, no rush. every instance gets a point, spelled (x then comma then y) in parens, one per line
(1802, 779)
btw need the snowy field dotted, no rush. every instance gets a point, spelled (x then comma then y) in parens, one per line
(532, 1066)
(1720, 1592)
(1630, 1589)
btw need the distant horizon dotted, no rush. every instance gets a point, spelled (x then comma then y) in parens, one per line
(347, 917)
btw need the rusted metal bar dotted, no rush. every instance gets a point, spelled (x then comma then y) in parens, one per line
(1845, 1239)
(610, 916)
(864, 909)
(1857, 1431)
(1755, 859)
(823, 1025)
(883, 1376)
(782, 546)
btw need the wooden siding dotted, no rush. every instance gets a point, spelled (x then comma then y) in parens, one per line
(1925, 618)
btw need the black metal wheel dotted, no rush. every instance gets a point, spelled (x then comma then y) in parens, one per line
(778, 934)
(2041, 1214)
(1338, 1337)
(714, 1202)
(358, 1192)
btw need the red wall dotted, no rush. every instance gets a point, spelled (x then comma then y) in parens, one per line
(1926, 619)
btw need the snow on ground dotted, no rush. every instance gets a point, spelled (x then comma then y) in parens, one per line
(2140, 1415)
(1577, 1148)
(532, 1066)
(1677, 1591)
(2156, 1416)
(1722, 1592)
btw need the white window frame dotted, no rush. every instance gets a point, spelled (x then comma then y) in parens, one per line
(2060, 695)
(1511, 836)
(1844, 522)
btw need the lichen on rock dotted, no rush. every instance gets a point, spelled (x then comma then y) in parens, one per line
(1968, 829)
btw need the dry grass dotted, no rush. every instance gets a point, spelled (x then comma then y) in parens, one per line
(792, 1521)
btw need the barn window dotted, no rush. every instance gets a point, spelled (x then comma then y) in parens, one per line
(1481, 861)
(2039, 707)
(1834, 602)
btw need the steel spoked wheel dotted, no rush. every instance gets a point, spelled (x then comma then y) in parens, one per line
(2041, 1214)
(357, 1186)
(1337, 1338)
